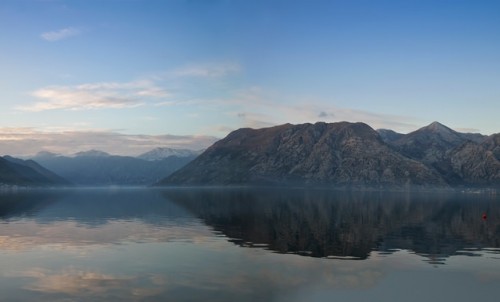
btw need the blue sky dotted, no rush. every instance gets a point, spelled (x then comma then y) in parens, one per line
(108, 74)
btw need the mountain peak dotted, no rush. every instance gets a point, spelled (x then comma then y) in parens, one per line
(93, 153)
(320, 153)
(438, 127)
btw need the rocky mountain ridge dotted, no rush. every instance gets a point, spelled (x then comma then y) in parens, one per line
(346, 154)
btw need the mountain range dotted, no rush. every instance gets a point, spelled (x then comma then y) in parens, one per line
(162, 153)
(97, 168)
(346, 154)
(18, 172)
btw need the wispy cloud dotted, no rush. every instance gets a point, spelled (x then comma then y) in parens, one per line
(130, 94)
(213, 70)
(95, 96)
(257, 108)
(467, 130)
(60, 34)
(29, 141)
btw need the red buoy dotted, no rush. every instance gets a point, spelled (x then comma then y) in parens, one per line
(484, 216)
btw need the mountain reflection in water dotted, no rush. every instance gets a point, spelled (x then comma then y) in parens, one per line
(349, 225)
(247, 245)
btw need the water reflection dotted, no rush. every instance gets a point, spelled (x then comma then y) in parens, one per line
(349, 225)
(88, 217)
(245, 245)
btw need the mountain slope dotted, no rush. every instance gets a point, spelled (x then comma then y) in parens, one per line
(47, 174)
(162, 153)
(337, 153)
(429, 144)
(478, 164)
(97, 168)
(434, 145)
(388, 135)
(14, 171)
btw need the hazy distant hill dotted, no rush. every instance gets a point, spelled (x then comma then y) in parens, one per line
(14, 171)
(345, 154)
(162, 153)
(98, 168)
(338, 153)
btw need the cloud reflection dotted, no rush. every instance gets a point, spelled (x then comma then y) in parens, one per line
(29, 234)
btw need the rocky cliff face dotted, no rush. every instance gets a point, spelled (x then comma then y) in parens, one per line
(478, 164)
(434, 146)
(343, 153)
(430, 144)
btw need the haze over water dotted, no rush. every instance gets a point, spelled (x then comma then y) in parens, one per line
(248, 245)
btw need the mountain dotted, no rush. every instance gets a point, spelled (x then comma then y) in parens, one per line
(162, 153)
(434, 146)
(478, 163)
(97, 168)
(47, 174)
(430, 144)
(92, 153)
(343, 154)
(14, 171)
(388, 135)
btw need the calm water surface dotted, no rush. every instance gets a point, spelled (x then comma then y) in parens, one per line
(248, 245)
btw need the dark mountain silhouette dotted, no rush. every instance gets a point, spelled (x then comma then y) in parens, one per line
(14, 171)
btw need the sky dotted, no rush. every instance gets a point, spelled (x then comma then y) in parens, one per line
(125, 76)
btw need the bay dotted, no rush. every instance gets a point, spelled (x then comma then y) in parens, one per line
(247, 244)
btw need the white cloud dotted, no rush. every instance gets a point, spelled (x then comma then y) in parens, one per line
(60, 34)
(28, 141)
(95, 96)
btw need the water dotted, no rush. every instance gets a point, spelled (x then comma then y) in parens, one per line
(248, 245)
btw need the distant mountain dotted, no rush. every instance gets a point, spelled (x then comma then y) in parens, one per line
(341, 154)
(162, 153)
(46, 154)
(92, 153)
(97, 168)
(14, 171)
